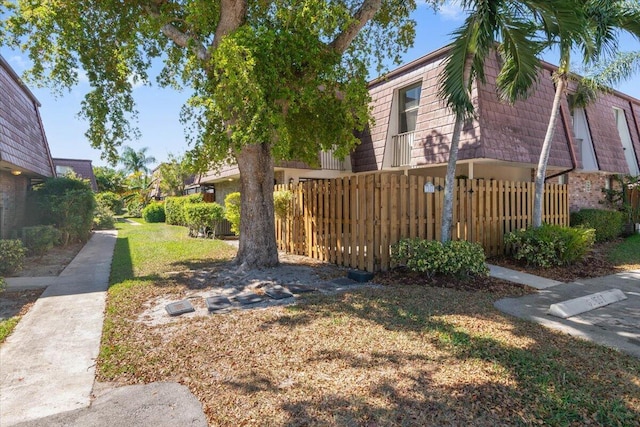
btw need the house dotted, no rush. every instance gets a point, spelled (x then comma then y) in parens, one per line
(413, 129)
(25, 158)
(81, 168)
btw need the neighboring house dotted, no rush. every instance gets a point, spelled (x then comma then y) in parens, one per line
(82, 168)
(25, 158)
(412, 132)
(413, 129)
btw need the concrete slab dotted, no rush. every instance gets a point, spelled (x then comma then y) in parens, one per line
(248, 298)
(27, 283)
(586, 303)
(179, 307)
(277, 292)
(218, 304)
(521, 278)
(155, 404)
(48, 363)
(615, 325)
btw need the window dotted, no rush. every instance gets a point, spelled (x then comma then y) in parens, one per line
(63, 170)
(625, 137)
(409, 102)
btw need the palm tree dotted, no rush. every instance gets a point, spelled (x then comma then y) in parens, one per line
(523, 29)
(603, 19)
(135, 162)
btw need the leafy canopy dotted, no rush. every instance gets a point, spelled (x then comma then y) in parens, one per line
(284, 72)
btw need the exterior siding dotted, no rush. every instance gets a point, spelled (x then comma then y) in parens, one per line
(604, 133)
(515, 133)
(13, 199)
(585, 190)
(22, 140)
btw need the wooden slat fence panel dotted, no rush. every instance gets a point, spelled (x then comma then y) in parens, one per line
(353, 221)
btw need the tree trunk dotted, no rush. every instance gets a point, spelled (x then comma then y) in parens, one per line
(447, 207)
(541, 172)
(257, 225)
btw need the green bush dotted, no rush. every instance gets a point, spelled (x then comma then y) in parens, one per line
(203, 218)
(103, 218)
(608, 224)
(111, 200)
(550, 245)
(12, 253)
(282, 203)
(134, 207)
(232, 211)
(68, 204)
(173, 208)
(154, 212)
(454, 258)
(40, 238)
(3, 284)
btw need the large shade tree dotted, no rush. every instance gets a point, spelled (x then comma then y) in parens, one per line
(271, 80)
(602, 20)
(519, 31)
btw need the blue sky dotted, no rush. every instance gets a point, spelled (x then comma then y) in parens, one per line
(159, 108)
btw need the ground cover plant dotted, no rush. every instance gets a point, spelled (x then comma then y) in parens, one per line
(398, 354)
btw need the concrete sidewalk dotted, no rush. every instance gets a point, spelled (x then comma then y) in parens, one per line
(48, 363)
(616, 325)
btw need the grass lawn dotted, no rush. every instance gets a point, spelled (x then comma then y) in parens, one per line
(398, 355)
(627, 252)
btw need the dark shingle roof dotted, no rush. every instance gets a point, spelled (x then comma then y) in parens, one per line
(82, 168)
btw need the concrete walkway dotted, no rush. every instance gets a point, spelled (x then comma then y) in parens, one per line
(48, 363)
(616, 325)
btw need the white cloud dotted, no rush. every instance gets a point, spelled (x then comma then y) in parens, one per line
(451, 11)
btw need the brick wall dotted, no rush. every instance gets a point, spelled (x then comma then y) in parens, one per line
(585, 190)
(13, 196)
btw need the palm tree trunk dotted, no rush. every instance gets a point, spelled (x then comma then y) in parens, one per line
(541, 172)
(447, 207)
(257, 223)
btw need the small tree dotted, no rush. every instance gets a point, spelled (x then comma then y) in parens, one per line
(172, 176)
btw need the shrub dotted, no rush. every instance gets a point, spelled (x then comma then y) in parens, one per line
(40, 238)
(432, 257)
(134, 207)
(173, 208)
(103, 218)
(203, 217)
(68, 204)
(550, 245)
(282, 203)
(111, 200)
(154, 212)
(12, 253)
(608, 224)
(3, 284)
(232, 211)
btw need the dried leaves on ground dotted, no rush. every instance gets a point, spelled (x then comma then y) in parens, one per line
(402, 354)
(595, 264)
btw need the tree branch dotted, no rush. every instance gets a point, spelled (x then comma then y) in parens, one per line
(365, 13)
(233, 13)
(178, 37)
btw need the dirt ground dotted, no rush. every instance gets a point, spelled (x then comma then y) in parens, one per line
(17, 303)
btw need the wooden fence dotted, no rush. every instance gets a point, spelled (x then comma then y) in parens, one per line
(353, 221)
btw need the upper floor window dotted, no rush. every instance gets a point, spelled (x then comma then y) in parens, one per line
(409, 103)
(625, 137)
(63, 170)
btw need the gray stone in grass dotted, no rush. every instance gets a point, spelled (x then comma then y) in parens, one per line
(300, 289)
(248, 298)
(344, 281)
(359, 275)
(277, 292)
(218, 303)
(180, 307)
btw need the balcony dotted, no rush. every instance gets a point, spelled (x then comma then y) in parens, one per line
(329, 162)
(402, 145)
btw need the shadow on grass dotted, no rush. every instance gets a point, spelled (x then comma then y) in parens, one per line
(555, 379)
(121, 265)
